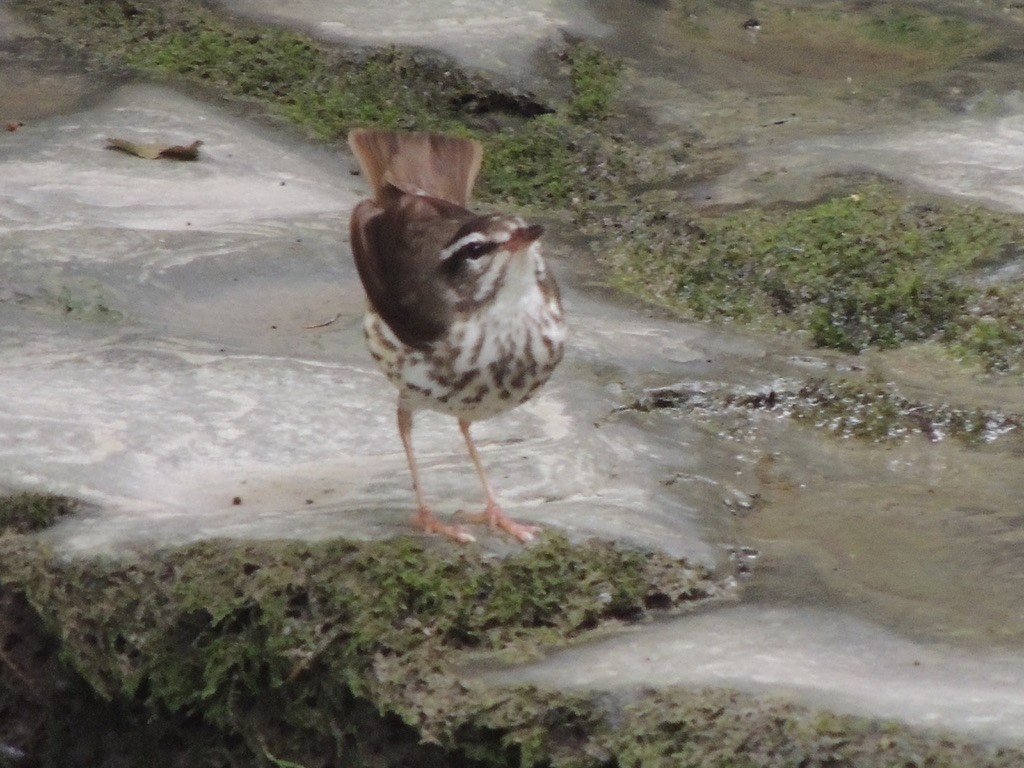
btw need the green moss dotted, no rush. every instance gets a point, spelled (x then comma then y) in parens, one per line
(872, 268)
(594, 77)
(550, 163)
(258, 63)
(913, 28)
(30, 511)
(229, 633)
(992, 331)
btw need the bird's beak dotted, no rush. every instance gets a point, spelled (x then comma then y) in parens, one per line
(523, 236)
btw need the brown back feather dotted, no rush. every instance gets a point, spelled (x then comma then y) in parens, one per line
(421, 183)
(440, 166)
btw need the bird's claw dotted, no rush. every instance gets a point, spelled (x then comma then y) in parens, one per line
(426, 520)
(496, 519)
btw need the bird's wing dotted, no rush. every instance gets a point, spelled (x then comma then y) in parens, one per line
(396, 244)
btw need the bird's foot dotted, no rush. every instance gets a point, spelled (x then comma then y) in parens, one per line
(496, 519)
(426, 520)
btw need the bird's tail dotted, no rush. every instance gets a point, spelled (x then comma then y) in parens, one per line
(418, 163)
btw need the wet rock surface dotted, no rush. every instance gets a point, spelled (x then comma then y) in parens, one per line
(826, 659)
(164, 348)
(481, 34)
(156, 363)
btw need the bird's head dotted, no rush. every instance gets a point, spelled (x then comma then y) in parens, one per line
(493, 258)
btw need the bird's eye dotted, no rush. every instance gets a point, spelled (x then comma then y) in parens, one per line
(476, 249)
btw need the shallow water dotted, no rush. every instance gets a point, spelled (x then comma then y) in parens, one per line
(154, 361)
(921, 537)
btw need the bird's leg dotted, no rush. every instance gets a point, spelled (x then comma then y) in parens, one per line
(424, 519)
(493, 515)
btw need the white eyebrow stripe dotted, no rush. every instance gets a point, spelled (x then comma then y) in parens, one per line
(472, 237)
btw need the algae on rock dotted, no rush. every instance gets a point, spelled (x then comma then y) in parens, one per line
(294, 650)
(343, 654)
(28, 511)
(869, 268)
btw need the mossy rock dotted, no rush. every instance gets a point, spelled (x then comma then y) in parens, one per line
(863, 408)
(538, 154)
(299, 650)
(871, 268)
(344, 654)
(28, 511)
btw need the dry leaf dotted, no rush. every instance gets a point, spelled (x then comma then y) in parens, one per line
(157, 151)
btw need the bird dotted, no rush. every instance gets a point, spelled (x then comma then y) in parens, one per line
(463, 316)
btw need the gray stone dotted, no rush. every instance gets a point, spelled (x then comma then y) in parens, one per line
(211, 388)
(490, 35)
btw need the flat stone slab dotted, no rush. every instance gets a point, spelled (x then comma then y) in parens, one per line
(979, 158)
(208, 409)
(489, 35)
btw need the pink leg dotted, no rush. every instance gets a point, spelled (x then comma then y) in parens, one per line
(424, 519)
(493, 515)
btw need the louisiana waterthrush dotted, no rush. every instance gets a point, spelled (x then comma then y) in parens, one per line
(464, 317)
